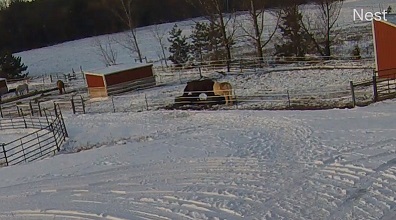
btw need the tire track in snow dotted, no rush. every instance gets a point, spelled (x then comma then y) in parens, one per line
(359, 191)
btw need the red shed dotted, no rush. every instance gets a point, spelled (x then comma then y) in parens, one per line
(119, 78)
(385, 46)
(3, 86)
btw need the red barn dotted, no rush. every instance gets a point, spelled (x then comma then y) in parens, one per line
(384, 33)
(3, 86)
(119, 78)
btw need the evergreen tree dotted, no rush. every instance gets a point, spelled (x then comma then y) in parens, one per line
(295, 40)
(200, 41)
(179, 47)
(216, 46)
(11, 66)
(389, 9)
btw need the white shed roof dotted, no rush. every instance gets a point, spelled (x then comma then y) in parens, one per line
(3, 79)
(117, 68)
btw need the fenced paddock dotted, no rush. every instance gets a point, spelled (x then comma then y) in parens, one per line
(49, 135)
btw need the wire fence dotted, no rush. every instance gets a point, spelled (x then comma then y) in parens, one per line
(49, 133)
(287, 99)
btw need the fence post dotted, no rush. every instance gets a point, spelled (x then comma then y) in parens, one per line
(1, 110)
(353, 94)
(145, 98)
(24, 120)
(288, 98)
(19, 113)
(112, 101)
(5, 154)
(63, 126)
(39, 143)
(51, 78)
(83, 104)
(31, 108)
(375, 88)
(46, 116)
(23, 151)
(56, 140)
(73, 107)
(39, 108)
(56, 111)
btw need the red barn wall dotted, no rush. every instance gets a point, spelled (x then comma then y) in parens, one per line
(129, 75)
(94, 81)
(385, 46)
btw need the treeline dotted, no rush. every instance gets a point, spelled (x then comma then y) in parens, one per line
(32, 24)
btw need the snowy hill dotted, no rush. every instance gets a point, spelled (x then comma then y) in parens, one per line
(63, 57)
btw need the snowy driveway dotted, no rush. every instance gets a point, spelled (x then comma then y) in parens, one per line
(334, 164)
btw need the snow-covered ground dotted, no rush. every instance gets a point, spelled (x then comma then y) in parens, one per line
(334, 164)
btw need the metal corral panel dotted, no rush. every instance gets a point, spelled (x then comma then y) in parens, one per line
(129, 75)
(94, 81)
(385, 48)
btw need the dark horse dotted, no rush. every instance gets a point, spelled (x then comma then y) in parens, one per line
(196, 87)
(61, 86)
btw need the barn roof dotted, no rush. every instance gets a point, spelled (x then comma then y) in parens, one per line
(117, 68)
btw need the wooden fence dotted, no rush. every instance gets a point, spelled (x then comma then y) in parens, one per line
(48, 136)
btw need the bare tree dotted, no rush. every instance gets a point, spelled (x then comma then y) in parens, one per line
(258, 24)
(106, 51)
(322, 30)
(214, 12)
(160, 36)
(125, 11)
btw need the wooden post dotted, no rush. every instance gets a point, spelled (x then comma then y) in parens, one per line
(19, 114)
(24, 120)
(51, 78)
(56, 111)
(288, 98)
(375, 88)
(31, 108)
(147, 107)
(23, 151)
(39, 108)
(83, 104)
(73, 107)
(112, 101)
(353, 94)
(38, 140)
(1, 110)
(5, 154)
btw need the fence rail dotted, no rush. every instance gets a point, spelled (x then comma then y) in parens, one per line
(49, 135)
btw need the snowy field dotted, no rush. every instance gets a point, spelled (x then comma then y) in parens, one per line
(334, 164)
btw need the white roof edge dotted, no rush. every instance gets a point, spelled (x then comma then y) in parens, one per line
(116, 68)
